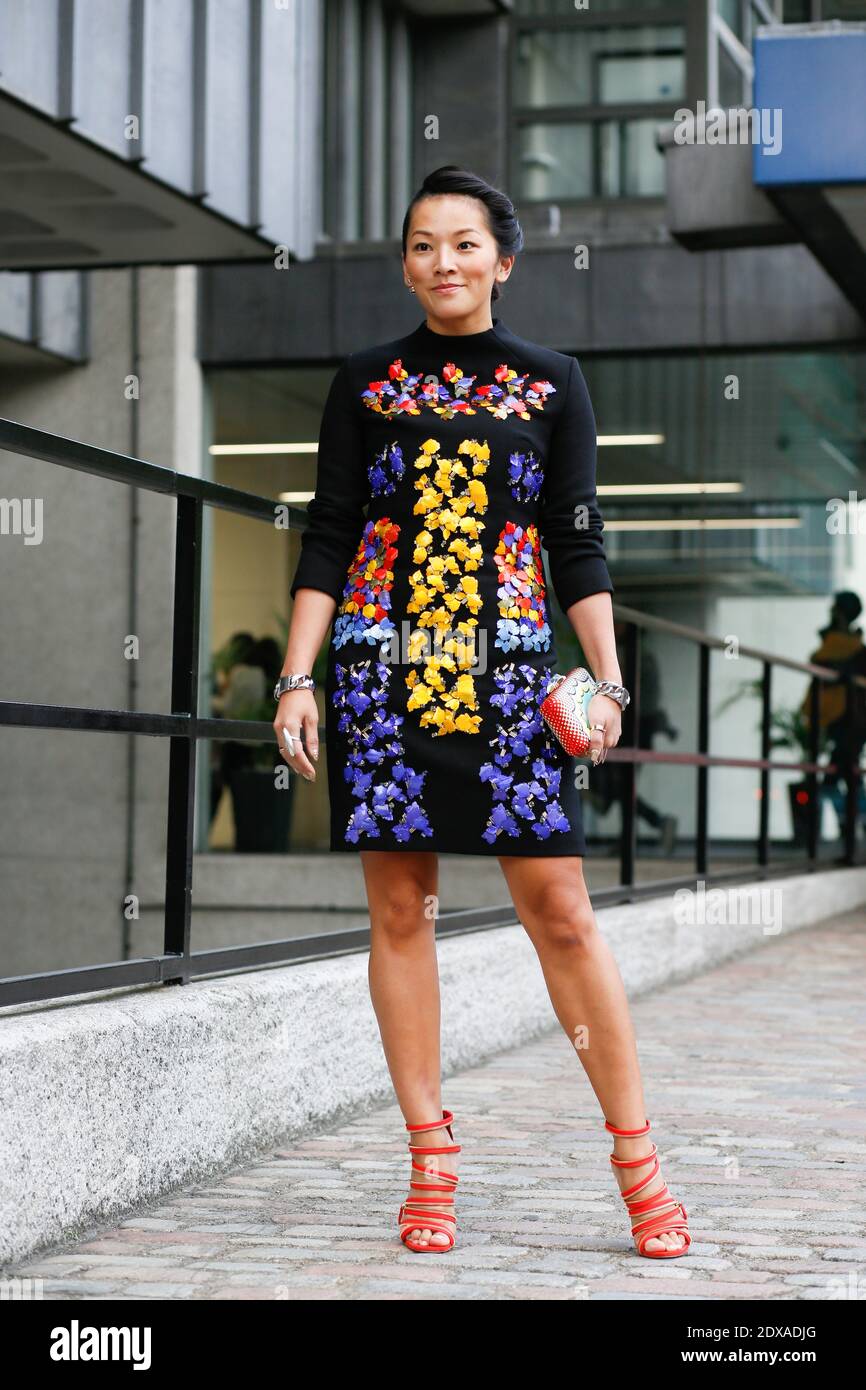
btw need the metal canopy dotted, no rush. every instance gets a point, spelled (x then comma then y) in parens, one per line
(67, 203)
(158, 132)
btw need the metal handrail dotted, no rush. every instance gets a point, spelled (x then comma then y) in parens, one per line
(184, 728)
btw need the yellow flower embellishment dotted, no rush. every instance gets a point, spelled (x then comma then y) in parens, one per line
(445, 594)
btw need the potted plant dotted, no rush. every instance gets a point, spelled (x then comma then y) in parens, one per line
(262, 809)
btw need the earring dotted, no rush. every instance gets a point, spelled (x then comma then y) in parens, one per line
(410, 286)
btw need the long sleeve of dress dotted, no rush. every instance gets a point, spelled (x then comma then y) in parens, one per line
(570, 523)
(335, 517)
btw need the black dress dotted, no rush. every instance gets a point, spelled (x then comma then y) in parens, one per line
(469, 453)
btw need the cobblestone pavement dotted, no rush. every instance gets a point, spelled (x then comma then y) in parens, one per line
(755, 1086)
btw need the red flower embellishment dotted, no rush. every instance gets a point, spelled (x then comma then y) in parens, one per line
(456, 394)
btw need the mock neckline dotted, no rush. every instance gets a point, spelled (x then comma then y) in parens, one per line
(427, 335)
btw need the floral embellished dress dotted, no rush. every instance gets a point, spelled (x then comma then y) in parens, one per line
(445, 464)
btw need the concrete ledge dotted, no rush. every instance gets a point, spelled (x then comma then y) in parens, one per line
(107, 1104)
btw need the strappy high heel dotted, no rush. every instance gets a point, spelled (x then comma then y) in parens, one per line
(419, 1206)
(661, 1204)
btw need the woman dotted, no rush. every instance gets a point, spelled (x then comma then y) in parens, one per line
(472, 447)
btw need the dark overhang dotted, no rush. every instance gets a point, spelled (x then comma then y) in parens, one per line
(68, 203)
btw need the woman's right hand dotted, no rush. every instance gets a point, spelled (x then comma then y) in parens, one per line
(298, 710)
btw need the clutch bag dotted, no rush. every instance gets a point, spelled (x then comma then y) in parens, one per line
(565, 709)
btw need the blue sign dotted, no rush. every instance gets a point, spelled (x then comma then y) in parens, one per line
(810, 91)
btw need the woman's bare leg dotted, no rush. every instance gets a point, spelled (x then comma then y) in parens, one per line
(404, 988)
(589, 999)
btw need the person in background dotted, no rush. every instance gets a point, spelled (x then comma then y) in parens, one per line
(266, 654)
(843, 649)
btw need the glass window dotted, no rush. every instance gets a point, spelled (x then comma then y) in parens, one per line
(630, 165)
(635, 77)
(556, 67)
(556, 161)
(733, 82)
(731, 11)
(843, 9)
(586, 159)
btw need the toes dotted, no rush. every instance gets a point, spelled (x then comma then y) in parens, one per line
(426, 1236)
(666, 1240)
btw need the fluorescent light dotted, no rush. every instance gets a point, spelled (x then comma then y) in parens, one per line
(663, 489)
(713, 523)
(313, 446)
(630, 439)
(300, 448)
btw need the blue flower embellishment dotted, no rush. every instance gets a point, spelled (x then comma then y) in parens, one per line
(386, 789)
(386, 470)
(526, 475)
(532, 802)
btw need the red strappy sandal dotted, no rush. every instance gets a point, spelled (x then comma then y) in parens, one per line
(661, 1204)
(419, 1206)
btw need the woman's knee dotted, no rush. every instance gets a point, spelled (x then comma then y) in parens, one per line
(403, 906)
(563, 917)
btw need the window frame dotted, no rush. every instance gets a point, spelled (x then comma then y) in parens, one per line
(594, 113)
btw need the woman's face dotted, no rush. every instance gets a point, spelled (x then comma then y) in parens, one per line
(449, 244)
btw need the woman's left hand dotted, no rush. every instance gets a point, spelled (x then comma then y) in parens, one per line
(603, 709)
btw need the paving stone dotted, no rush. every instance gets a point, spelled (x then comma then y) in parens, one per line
(760, 1135)
(150, 1223)
(160, 1291)
(59, 1288)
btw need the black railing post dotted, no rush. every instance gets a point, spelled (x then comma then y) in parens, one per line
(851, 771)
(631, 729)
(182, 754)
(813, 786)
(766, 706)
(703, 747)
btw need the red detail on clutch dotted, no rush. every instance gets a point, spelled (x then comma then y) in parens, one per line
(566, 710)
